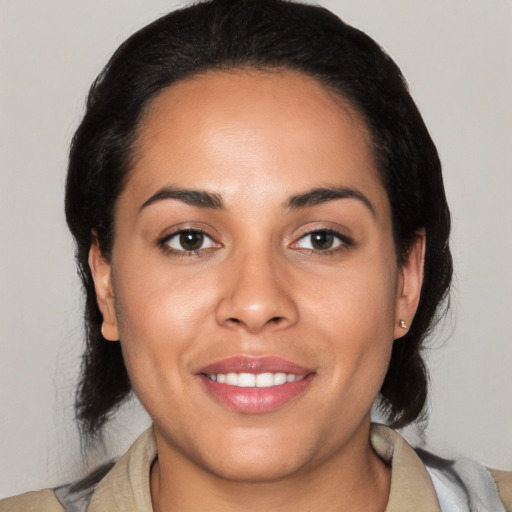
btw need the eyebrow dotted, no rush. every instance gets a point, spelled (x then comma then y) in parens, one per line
(197, 198)
(209, 200)
(324, 194)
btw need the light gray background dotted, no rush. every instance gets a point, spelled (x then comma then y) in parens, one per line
(456, 55)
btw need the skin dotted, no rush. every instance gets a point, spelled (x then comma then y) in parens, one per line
(257, 287)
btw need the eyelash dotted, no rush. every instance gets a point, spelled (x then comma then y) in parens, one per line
(345, 242)
(163, 243)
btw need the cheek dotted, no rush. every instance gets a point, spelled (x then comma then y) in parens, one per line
(155, 300)
(357, 301)
(355, 313)
(160, 316)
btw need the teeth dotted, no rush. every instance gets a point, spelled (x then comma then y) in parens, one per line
(279, 378)
(264, 380)
(246, 380)
(251, 380)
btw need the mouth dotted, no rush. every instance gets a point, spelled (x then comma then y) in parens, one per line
(255, 385)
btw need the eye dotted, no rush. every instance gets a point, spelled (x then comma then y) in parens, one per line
(188, 240)
(322, 240)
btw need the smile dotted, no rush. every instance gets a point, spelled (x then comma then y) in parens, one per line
(255, 385)
(251, 380)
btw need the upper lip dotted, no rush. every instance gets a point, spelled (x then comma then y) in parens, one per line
(251, 364)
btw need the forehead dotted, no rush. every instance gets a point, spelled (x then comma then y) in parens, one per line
(268, 131)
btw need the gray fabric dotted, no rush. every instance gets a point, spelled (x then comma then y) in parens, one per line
(74, 501)
(75, 497)
(462, 485)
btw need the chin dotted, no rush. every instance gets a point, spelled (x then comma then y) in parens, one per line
(255, 469)
(259, 459)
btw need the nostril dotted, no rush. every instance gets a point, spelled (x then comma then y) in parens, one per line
(273, 320)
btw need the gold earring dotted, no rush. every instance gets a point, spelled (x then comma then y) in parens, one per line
(402, 324)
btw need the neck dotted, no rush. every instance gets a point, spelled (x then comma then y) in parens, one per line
(353, 479)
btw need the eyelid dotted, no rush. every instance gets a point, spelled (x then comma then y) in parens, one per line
(198, 227)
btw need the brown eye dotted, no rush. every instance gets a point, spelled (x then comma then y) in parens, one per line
(188, 241)
(191, 240)
(322, 240)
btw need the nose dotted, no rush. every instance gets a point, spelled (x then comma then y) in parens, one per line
(255, 296)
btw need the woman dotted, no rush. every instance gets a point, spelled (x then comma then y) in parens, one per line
(262, 234)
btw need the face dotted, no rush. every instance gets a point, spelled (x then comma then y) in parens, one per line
(253, 281)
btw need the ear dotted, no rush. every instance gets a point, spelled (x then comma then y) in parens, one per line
(102, 275)
(409, 285)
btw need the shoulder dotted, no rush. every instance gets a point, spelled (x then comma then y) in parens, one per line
(503, 481)
(35, 501)
(75, 496)
(123, 485)
(465, 480)
(446, 482)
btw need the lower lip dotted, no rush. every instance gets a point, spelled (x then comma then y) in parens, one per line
(256, 400)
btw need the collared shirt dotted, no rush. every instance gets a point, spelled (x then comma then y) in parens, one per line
(415, 486)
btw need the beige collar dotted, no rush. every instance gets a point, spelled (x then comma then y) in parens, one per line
(126, 487)
(411, 486)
